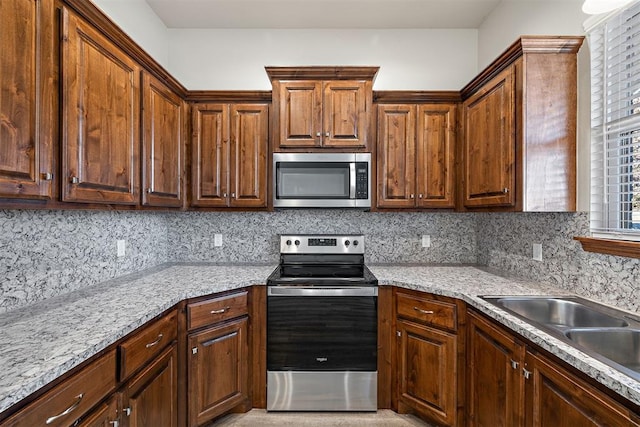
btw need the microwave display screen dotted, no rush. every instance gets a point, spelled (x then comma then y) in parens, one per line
(313, 180)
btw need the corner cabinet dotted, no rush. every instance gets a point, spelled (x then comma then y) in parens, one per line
(28, 87)
(100, 117)
(415, 155)
(229, 155)
(322, 107)
(519, 127)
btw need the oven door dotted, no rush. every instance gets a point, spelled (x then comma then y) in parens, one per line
(322, 328)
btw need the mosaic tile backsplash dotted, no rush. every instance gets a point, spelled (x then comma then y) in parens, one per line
(47, 253)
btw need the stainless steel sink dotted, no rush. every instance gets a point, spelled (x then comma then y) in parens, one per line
(559, 312)
(622, 345)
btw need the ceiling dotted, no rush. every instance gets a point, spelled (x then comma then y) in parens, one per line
(325, 14)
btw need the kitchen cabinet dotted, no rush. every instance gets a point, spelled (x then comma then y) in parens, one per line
(322, 107)
(107, 414)
(429, 357)
(229, 155)
(100, 117)
(512, 384)
(519, 127)
(415, 155)
(28, 90)
(162, 144)
(150, 398)
(218, 357)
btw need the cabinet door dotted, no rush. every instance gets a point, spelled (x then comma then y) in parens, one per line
(557, 398)
(100, 118)
(495, 383)
(210, 155)
(151, 398)
(435, 148)
(299, 106)
(396, 156)
(162, 144)
(105, 415)
(489, 144)
(27, 84)
(218, 366)
(428, 372)
(249, 146)
(345, 116)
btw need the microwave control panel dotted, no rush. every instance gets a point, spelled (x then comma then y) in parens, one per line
(362, 180)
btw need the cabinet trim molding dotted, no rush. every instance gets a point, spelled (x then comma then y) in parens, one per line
(321, 73)
(623, 248)
(416, 97)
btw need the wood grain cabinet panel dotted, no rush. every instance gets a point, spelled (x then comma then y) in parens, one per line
(229, 155)
(416, 151)
(27, 99)
(162, 144)
(107, 414)
(300, 109)
(100, 117)
(345, 114)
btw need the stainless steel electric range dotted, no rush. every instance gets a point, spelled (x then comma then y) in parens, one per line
(322, 314)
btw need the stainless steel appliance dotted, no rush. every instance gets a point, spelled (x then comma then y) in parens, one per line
(322, 180)
(322, 320)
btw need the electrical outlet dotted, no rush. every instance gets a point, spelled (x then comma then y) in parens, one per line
(537, 252)
(121, 246)
(217, 240)
(426, 241)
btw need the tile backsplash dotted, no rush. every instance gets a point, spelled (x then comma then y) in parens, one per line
(47, 253)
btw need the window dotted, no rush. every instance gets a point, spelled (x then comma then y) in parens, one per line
(615, 126)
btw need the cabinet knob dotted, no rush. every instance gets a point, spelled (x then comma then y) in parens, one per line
(327, 134)
(318, 134)
(149, 190)
(224, 195)
(74, 180)
(419, 196)
(233, 195)
(47, 176)
(505, 190)
(412, 196)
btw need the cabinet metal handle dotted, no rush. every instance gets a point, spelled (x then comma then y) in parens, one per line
(233, 195)
(224, 195)
(114, 423)
(75, 180)
(419, 196)
(66, 411)
(419, 310)
(318, 134)
(151, 344)
(222, 310)
(47, 176)
(514, 364)
(526, 373)
(327, 134)
(412, 196)
(505, 190)
(149, 190)
(127, 411)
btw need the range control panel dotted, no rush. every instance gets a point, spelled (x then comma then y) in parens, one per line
(319, 244)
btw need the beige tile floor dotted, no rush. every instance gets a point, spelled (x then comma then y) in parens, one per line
(261, 418)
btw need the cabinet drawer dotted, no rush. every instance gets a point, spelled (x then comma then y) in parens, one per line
(66, 402)
(214, 310)
(138, 350)
(428, 311)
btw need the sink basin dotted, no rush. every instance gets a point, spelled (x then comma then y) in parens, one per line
(620, 345)
(565, 312)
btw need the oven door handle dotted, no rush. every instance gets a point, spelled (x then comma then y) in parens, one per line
(319, 291)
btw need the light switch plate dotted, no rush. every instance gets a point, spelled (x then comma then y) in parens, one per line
(217, 240)
(426, 241)
(121, 246)
(537, 251)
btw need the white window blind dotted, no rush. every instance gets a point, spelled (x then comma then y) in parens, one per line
(615, 125)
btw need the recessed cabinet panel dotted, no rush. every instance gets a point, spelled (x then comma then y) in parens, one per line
(489, 144)
(249, 136)
(162, 144)
(345, 114)
(301, 113)
(26, 98)
(100, 117)
(210, 160)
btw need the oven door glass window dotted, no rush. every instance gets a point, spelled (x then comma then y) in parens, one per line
(313, 180)
(322, 333)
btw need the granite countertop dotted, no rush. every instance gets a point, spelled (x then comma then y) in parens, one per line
(41, 342)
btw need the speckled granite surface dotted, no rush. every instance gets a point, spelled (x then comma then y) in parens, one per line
(41, 342)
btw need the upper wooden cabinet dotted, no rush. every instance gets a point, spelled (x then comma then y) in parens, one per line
(162, 144)
(415, 156)
(519, 126)
(229, 155)
(322, 107)
(27, 99)
(100, 117)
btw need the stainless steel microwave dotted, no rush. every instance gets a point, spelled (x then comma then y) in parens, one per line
(322, 180)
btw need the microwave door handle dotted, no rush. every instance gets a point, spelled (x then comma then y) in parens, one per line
(352, 180)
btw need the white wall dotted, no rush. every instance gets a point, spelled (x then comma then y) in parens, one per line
(141, 23)
(511, 19)
(408, 59)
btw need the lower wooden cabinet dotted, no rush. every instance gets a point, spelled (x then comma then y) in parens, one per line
(106, 414)
(150, 398)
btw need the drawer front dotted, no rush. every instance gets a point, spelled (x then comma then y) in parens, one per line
(215, 310)
(427, 311)
(65, 403)
(138, 350)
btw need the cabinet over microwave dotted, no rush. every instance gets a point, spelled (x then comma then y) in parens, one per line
(322, 180)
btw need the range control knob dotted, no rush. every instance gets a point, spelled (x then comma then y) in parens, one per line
(288, 242)
(347, 243)
(297, 242)
(355, 243)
